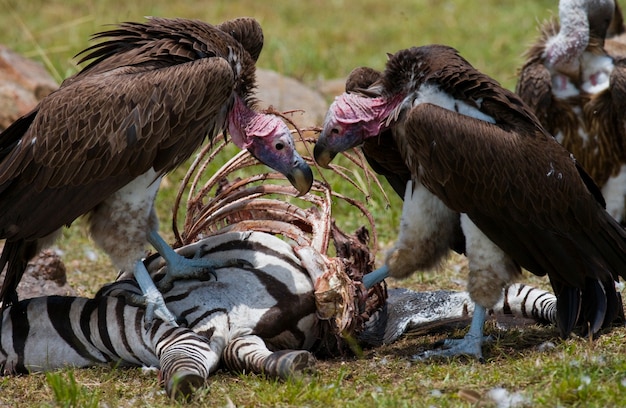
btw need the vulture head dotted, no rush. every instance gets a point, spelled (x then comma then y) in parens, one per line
(351, 119)
(269, 140)
(581, 22)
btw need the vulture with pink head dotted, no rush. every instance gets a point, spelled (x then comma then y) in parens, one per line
(476, 150)
(100, 144)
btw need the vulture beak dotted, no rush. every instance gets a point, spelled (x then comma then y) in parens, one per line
(301, 175)
(323, 156)
(336, 138)
(350, 120)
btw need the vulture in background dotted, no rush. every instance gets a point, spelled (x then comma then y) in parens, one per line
(474, 148)
(574, 79)
(101, 143)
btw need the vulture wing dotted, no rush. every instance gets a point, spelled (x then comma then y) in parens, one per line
(535, 89)
(98, 132)
(524, 191)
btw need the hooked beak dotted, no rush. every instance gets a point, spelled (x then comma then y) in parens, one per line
(301, 175)
(322, 154)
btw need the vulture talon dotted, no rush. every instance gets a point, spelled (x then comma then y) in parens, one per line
(151, 299)
(470, 345)
(467, 346)
(155, 308)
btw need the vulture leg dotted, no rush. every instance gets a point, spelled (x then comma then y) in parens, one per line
(179, 267)
(152, 299)
(470, 345)
(491, 269)
(374, 277)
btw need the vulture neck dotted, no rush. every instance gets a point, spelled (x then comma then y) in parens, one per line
(244, 122)
(563, 51)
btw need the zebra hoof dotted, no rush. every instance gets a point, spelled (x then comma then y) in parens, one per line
(182, 385)
(288, 363)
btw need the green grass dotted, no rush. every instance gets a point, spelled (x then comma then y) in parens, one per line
(312, 41)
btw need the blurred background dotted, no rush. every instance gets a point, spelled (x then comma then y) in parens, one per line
(310, 41)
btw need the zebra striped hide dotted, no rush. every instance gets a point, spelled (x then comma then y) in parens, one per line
(259, 319)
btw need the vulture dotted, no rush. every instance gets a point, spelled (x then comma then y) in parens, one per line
(474, 148)
(574, 79)
(100, 144)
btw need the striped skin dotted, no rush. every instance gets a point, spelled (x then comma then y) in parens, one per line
(270, 306)
(258, 319)
(427, 311)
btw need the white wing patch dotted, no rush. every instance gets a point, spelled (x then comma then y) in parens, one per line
(429, 93)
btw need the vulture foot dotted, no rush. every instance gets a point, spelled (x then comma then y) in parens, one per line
(374, 277)
(152, 299)
(195, 268)
(470, 345)
(179, 267)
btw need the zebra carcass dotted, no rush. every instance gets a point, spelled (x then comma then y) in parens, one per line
(261, 319)
(269, 314)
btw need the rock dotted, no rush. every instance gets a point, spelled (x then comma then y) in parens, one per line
(284, 93)
(330, 88)
(23, 83)
(45, 275)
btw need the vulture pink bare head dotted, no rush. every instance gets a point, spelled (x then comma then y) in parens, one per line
(268, 139)
(350, 120)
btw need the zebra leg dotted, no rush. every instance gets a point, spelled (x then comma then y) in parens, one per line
(249, 353)
(187, 359)
(528, 302)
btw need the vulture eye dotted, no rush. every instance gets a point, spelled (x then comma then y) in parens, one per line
(334, 130)
(279, 146)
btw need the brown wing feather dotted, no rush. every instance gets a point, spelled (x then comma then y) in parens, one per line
(144, 119)
(247, 32)
(535, 88)
(522, 190)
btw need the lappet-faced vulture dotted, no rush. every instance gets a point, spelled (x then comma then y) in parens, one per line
(475, 149)
(574, 79)
(101, 143)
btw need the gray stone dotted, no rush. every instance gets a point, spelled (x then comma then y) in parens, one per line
(23, 83)
(284, 93)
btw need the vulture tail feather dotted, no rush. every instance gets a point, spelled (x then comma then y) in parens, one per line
(568, 309)
(594, 308)
(15, 256)
(615, 307)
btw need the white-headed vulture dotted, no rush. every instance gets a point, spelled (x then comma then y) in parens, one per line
(574, 79)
